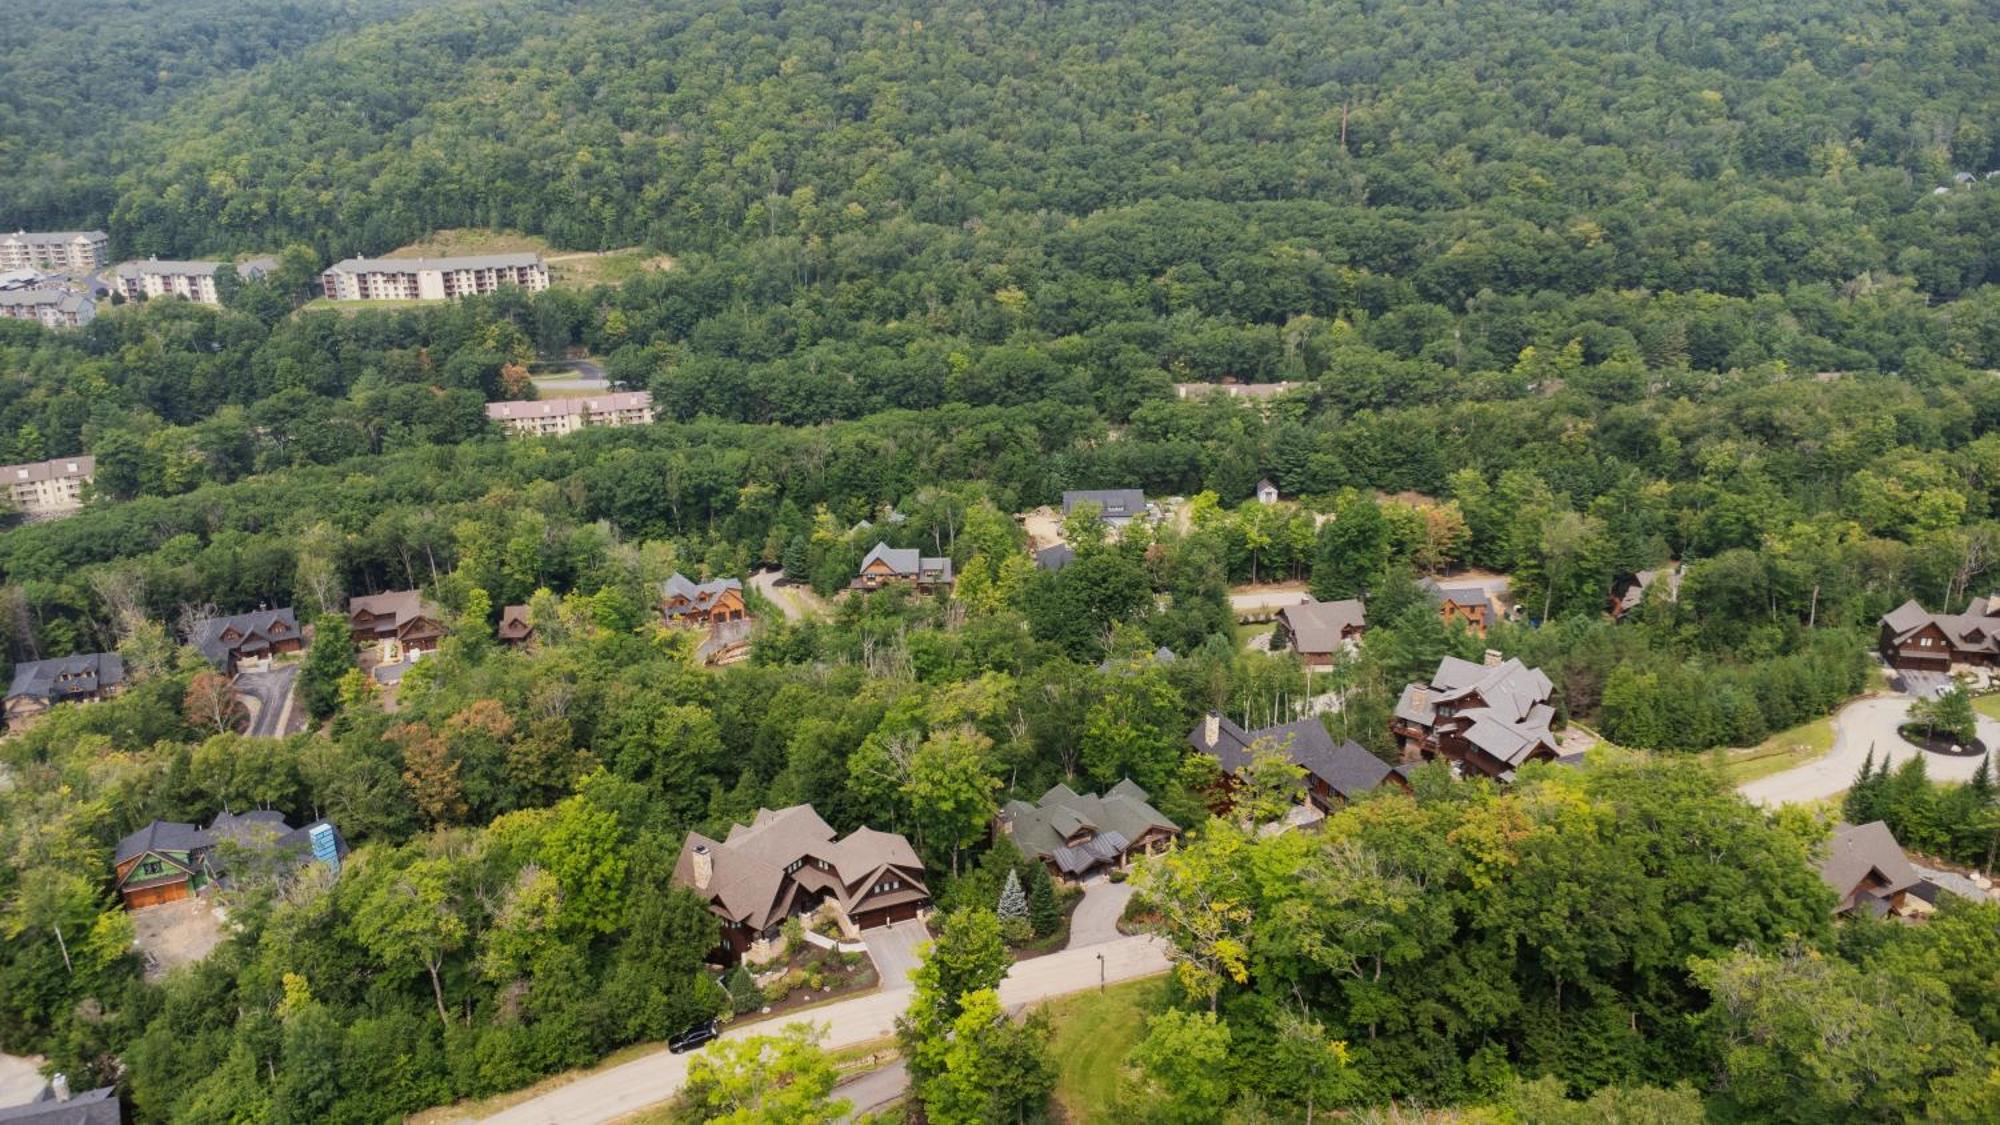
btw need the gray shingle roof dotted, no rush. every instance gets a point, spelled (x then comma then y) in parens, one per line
(463, 262)
(92, 1107)
(1056, 557)
(1856, 850)
(1043, 829)
(750, 866)
(1117, 503)
(908, 562)
(67, 677)
(251, 633)
(1317, 626)
(1347, 768)
(700, 595)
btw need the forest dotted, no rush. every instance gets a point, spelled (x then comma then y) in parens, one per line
(1559, 291)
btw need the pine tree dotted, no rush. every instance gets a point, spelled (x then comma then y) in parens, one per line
(1043, 914)
(744, 995)
(1862, 801)
(1013, 900)
(1981, 781)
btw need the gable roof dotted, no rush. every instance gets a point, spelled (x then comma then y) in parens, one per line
(1509, 713)
(92, 1107)
(1117, 503)
(1056, 557)
(1467, 596)
(254, 632)
(749, 866)
(514, 623)
(401, 605)
(1043, 829)
(700, 596)
(67, 677)
(1347, 767)
(258, 828)
(1856, 850)
(1317, 626)
(908, 562)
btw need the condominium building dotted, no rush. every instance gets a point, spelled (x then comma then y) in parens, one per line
(26, 294)
(554, 416)
(54, 250)
(48, 487)
(155, 278)
(414, 279)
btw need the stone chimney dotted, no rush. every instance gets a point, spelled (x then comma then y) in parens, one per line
(1493, 658)
(59, 1085)
(1211, 728)
(704, 867)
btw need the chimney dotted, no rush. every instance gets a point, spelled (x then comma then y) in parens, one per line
(1493, 658)
(1421, 696)
(59, 1085)
(704, 867)
(1211, 728)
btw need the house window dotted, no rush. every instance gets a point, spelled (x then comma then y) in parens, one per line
(794, 866)
(887, 885)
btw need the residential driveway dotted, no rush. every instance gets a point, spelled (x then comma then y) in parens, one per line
(1858, 727)
(797, 602)
(268, 695)
(1095, 920)
(894, 951)
(1917, 683)
(630, 1087)
(21, 1081)
(1248, 600)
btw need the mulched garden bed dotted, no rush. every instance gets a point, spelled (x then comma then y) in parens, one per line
(1915, 735)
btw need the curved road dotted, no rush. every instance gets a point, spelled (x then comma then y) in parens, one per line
(625, 1089)
(1862, 724)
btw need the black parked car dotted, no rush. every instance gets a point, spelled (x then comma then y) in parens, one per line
(693, 1037)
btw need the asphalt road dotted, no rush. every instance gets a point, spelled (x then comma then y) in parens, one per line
(894, 951)
(611, 1094)
(270, 690)
(1865, 723)
(1095, 919)
(873, 1090)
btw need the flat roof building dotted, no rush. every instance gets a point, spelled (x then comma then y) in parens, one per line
(432, 279)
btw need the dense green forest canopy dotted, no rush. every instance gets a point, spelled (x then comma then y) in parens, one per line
(1564, 291)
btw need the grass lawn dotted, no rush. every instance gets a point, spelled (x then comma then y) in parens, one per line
(1780, 752)
(578, 268)
(1987, 705)
(1093, 1034)
(328, 304)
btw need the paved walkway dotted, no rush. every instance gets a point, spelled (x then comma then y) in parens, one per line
(1095, 919)
(1857, 727)
(871, 1091)
(621, 1090)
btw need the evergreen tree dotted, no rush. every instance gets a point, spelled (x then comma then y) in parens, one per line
(330, 657)
(1863, 797)
(1013, 900)
(744, 995)
(1043, 913)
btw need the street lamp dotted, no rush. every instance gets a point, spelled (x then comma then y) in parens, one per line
(1100, 974)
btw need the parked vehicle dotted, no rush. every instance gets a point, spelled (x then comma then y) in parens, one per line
(693, 1037)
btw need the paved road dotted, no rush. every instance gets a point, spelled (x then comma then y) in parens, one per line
(873, 1090)
(270, 690)
(1095, 920)
(894, 951)
(1858, 726)
(584, 375)
(633, 1086)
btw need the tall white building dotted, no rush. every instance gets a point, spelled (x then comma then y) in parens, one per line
(155, 278)
(48, 487)
(54, 250)
(555, 416)
(418, 279)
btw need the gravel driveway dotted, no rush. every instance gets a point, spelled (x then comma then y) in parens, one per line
(1860, 725)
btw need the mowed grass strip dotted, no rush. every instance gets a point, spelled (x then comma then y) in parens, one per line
(1093, 1034)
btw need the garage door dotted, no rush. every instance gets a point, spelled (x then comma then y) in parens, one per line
(154, 896)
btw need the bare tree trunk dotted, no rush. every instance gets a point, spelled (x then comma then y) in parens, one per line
(64, 946)
(437, 992)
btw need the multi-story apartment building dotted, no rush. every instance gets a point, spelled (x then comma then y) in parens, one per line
(556, 416)
(54, 250)
(48, 487)
(155, 278)
(27, 295)
(415, 279)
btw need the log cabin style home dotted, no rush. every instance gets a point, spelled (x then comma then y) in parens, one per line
(1335, 772)
(1473, 605)
(167, 861)
(229, 642)
(41, 684)
(1487, 719)
(1630, 591)
(788, 862)
(902, 566)
(1116, 506)
(701, 604)
(515, 629)
(1079, 835)
(1320, 631)
(1916, 639)
(1866, 868)
(400, 621)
